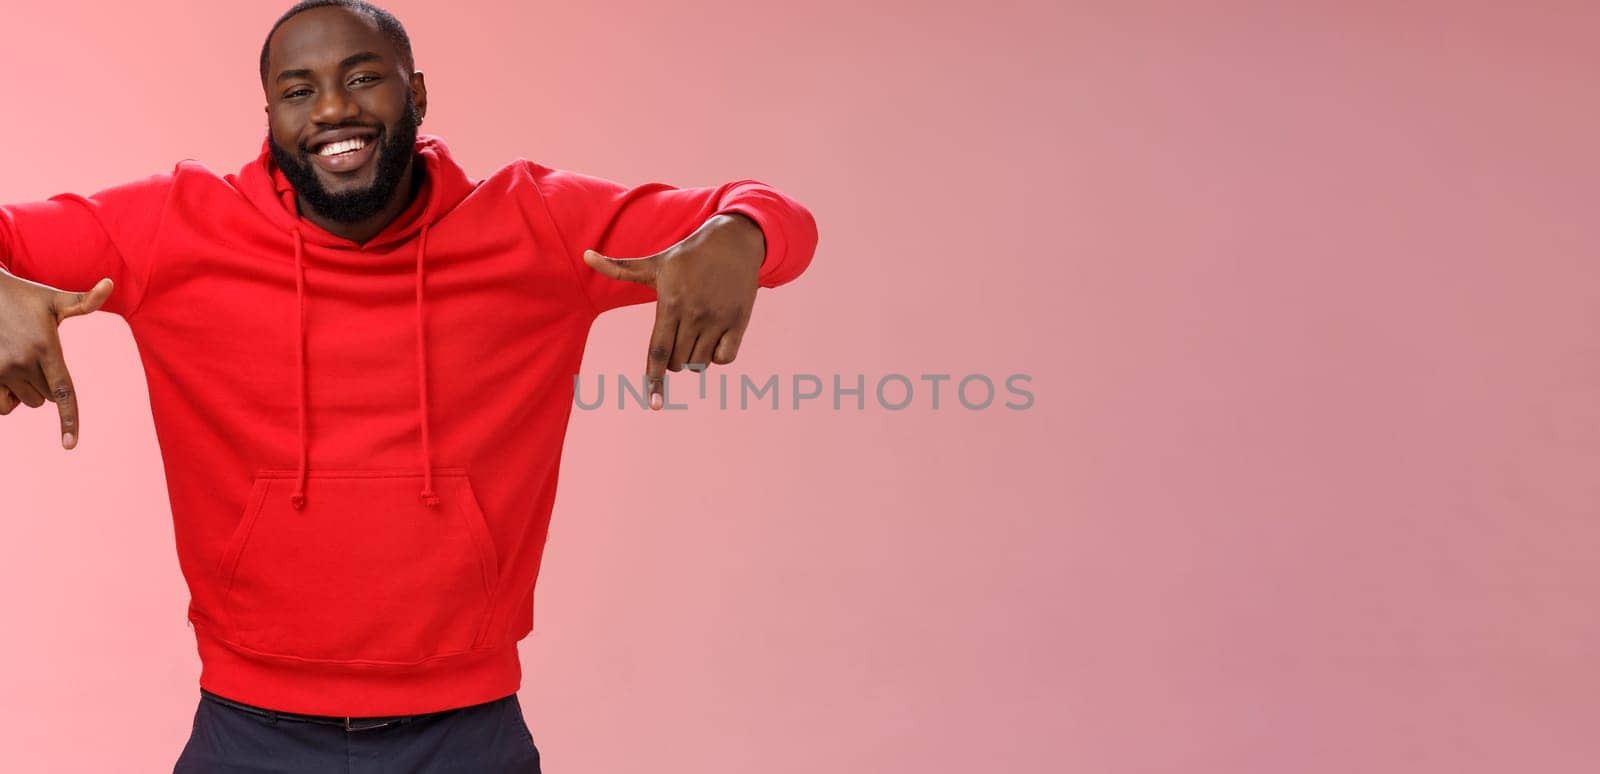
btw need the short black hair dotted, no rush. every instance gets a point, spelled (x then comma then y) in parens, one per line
(387, 24)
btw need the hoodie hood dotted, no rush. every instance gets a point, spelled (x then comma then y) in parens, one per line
(444, 185)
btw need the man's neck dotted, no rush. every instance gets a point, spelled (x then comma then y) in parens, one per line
(362, 231)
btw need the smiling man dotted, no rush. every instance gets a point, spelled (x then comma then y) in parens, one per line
(360, 366)
(353, 197)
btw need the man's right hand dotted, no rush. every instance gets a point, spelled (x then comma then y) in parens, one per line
(32, 369)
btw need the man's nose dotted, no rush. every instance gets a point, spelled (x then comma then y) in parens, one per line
(334, 106)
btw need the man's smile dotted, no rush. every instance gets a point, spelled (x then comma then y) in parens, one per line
(344, 155)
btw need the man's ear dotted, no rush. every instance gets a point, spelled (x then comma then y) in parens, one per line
(419, 93)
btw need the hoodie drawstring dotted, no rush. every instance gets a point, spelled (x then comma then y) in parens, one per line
(298, 499)
(422, 379)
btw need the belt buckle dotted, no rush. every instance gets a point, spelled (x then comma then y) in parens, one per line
(349, 727)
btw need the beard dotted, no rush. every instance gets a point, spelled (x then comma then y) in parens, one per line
(394, 153)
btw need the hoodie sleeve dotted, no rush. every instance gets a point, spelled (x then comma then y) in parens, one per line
(593, 213)
(69, 241)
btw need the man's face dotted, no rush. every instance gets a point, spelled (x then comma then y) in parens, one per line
(334, 82)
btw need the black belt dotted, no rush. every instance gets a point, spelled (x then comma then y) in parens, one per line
(349, 723)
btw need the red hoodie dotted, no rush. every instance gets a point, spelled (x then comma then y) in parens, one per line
(361, 441)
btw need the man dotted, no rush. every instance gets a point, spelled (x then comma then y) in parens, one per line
(360, 366)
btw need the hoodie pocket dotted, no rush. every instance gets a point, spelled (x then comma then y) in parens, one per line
(366, 571)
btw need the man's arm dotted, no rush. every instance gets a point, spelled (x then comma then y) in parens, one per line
(699, 253)
(69, 255)
(71, 242)
(614, 220)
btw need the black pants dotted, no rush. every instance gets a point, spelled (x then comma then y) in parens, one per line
(488, 738)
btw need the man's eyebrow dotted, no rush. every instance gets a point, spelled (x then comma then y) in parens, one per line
(364, 56)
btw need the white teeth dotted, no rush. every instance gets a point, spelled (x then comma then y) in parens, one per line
(342, 146)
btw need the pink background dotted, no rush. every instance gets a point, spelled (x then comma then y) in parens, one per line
(1308, 295)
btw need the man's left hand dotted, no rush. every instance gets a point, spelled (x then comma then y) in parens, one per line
(705, 290)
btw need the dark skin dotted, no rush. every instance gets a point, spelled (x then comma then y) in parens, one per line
(705, 284)
(705, 289)
(309, 92)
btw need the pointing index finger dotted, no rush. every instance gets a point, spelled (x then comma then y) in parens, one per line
(62, 394)
(661, 340)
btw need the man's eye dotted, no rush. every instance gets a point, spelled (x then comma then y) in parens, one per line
(296, 92)
(365, 78)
